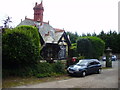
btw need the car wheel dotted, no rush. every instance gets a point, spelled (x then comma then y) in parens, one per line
(99, 71)
(83, 74)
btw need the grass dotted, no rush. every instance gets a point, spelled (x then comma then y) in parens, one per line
(19, 81)
(106, 67)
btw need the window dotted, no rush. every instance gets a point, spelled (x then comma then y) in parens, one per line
(97, 63)
(92, 63)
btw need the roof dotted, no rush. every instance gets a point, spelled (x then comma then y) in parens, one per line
(58, 30)
(48, 33)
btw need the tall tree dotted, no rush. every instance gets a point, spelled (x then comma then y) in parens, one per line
(73, 36)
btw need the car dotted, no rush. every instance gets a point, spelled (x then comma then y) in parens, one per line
(104, 58)
(85, 67)
(113, 58)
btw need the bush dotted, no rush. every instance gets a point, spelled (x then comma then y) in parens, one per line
(84, 47)
(73, 50)
(33, 33)
(21, 51)
(98, 46)
(45, 69)
(59, 67)
(90, 47)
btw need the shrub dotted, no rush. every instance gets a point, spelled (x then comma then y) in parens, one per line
(98, 46)
(59, 67)
(73, 50)
(90, 47)
(34, 34)
(33, 31)
(84, 47)
(45, 69)
(21, 51)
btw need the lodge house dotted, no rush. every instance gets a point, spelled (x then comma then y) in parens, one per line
(55, 42)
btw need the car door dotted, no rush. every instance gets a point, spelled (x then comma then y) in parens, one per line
(97, 66)
(91, 67)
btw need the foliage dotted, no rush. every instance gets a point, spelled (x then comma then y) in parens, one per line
(112, 40)
(73, 36)
(79, 58)
(59, 67)
(73, 50)
(6, 22)
(84, 47)
(33, 32)
(45, 69)
(20, 51)
(98, 46)
(90, 47)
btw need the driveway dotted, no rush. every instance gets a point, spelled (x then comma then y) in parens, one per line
(107, 79)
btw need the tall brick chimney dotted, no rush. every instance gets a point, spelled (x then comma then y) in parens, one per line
(38, 12)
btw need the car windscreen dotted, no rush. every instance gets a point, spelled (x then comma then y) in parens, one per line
(82, 63)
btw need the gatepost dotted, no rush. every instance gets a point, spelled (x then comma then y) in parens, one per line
(108, 57)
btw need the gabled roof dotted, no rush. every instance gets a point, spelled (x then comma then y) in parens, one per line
(58, 30)
(47, 32)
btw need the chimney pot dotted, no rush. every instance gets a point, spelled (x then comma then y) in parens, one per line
(36, 4)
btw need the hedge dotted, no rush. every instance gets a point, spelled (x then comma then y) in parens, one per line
(90, 47)
(45, 69)
(21, 50)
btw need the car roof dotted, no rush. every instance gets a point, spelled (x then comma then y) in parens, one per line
(90, 60)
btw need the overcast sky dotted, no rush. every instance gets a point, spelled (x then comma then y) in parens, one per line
(82, 16)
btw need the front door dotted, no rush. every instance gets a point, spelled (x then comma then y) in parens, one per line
(62, 52)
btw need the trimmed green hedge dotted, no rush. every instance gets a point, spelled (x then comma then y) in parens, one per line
(33, 32)
(98, 46)
(90, 47)
(21, 50)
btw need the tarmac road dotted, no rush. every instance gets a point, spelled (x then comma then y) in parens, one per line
(107, 79)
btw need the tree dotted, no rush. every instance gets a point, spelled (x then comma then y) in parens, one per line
(73, 37)
(111, 40)
(6, 22)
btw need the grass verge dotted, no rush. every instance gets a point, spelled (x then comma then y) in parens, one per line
(19, 81)
(106, 67)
